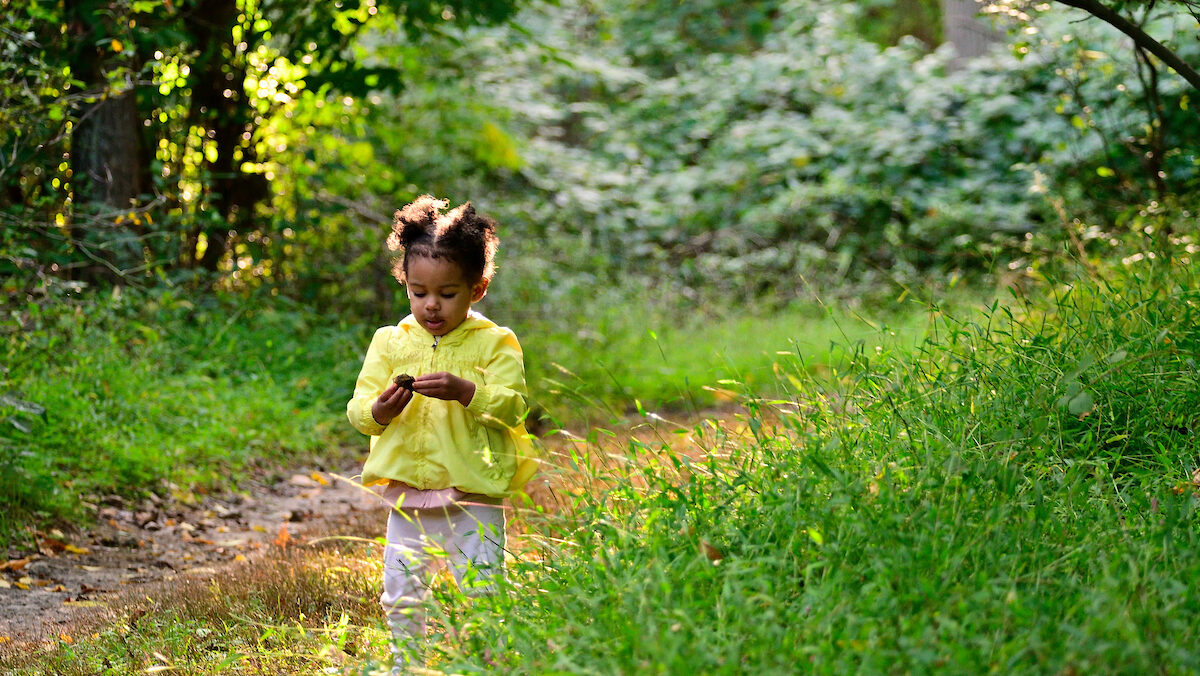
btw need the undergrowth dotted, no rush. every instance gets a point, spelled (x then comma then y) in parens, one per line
(667, 353)
(1014, 495)
(293, 612)
(134, 392)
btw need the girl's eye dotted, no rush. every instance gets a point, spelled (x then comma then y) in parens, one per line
(418, 295)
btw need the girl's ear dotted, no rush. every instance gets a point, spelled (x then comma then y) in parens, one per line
(479, 291)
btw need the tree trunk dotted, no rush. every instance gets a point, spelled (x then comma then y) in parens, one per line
(105, 160)
(106, 165)
(220, 106)
(971, 34)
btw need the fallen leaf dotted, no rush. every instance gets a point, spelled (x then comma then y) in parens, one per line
(226, 513)
(283, 538)
(316, 476)
(5, 584)
(261, 529)
(239, 558)
(15, 564)
(76, 550)
(711, 552)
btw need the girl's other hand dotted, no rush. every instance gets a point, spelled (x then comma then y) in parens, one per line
(446, 386)
(390, 403)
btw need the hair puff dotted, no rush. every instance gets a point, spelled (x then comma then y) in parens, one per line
(461, 236)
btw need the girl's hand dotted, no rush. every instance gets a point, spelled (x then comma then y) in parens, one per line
(390, 403)
(445, 386)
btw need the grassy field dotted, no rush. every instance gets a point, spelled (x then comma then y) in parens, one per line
(1005, 490)
(134, 392)
(684, 359)
(1013, 496)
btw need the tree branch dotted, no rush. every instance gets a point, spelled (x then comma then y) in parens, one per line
(1139, 37)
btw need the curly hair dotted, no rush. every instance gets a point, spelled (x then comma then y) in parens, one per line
(461, 236)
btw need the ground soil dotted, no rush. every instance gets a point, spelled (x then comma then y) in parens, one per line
(52, 585)
(66, 582)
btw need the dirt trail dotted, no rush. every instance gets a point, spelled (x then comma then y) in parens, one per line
(44, 594)
(134, 545)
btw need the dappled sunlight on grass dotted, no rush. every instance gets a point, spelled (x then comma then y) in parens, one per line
(703, 362)
(983, 491)
(293, 610)
(958, 506)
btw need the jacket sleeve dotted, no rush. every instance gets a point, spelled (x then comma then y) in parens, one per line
(372, 381)
(499, 400)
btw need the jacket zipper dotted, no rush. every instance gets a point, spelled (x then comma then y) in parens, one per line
(425, 411)
(433, 354)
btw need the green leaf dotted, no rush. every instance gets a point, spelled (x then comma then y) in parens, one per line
(1081, 403)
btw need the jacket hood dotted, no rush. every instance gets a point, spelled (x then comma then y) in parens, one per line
(473, 322)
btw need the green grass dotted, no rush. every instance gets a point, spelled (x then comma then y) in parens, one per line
(135, 393)
(1012, 493)
(299, 612)
(1012, 497)
(675, 356)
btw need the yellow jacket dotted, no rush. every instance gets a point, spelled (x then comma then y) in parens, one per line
(437, 444)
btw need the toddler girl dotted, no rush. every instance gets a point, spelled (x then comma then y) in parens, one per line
(445, 440)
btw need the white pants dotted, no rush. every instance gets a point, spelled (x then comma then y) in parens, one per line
(469, 537)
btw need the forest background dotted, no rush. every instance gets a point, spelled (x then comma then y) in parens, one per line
(701, 203)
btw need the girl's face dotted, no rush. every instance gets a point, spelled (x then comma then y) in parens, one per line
(439, 293)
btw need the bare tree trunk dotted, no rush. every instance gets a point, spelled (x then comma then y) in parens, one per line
(963, 27)
(106, 165)
(105, 162)
(220, 106)
(104, 152)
